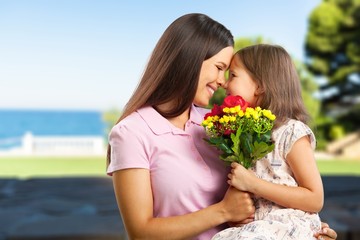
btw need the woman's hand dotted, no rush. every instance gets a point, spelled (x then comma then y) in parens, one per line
(325, 233)
(238, 205)
(243, 222)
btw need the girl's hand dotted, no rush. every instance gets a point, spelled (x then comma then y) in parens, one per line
(325, 233)
(240, 177)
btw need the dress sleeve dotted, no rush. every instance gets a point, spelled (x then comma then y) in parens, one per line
(293, 132)
(127, 150)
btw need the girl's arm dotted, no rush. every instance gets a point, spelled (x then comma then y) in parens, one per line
(135, 200)
(308, 196)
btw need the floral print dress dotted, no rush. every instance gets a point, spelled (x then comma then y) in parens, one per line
(273, 222)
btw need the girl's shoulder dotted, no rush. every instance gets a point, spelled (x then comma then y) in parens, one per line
(294, 126)
(290, 132)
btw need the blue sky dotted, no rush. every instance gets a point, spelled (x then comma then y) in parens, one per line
(88, 54)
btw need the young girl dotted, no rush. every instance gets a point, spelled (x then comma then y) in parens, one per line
(286, 184)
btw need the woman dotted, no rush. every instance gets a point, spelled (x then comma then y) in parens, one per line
(167, 180)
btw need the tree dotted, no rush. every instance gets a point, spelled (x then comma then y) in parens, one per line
(333, 52)
(309, 87)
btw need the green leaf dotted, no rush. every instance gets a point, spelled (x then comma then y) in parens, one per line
(246, 143)
(221, 143)
(225, 148)
(236, 141)
(261, 149)
(230, 159)
(265, 137)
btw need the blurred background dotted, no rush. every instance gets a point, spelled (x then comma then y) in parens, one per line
(67, 68)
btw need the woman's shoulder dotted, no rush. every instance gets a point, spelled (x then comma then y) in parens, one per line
(129, 121)
(131, 124)
(145, 121)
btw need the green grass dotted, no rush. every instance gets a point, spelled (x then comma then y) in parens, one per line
(30, 167)
(26, 167)
(339, 167)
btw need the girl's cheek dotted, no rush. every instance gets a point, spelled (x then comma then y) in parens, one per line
(232, 90)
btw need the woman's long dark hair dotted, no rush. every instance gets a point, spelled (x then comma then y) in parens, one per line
(173, 70)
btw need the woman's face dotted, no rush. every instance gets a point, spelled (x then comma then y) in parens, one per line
(240, 83)
(212, 75)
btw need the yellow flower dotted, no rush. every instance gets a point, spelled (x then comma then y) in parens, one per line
(226, 118)
(269, 115)
(226, 110)
(255, 115)
(232, 118)
(240, 113)
(249, 110)
(233, 110)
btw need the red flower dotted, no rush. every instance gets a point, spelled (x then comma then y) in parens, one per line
(232, 101)
(216, 110)
(228, 132)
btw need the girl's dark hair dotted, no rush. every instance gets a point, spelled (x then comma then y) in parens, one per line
(173, 70)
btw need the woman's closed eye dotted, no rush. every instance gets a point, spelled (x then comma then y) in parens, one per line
(220, 68)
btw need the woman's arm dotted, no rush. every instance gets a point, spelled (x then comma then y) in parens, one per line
(135, 200)
(308, 196)
(325, 233)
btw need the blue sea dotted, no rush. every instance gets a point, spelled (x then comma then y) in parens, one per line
(15, 123)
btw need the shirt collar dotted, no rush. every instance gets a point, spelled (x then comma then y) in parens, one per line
(197, 114)
(160, 125)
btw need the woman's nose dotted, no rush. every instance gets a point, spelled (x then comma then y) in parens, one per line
(225, 85)
(221, 81)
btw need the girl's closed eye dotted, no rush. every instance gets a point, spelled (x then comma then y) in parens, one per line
(231, 75)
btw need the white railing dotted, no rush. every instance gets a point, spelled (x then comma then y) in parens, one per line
(57, 146)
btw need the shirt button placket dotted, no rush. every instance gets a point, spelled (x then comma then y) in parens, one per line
(193, 149)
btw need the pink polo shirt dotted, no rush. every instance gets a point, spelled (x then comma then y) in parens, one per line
(186, 173)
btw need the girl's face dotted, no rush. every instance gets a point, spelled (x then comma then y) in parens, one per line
(240, 83)
(212, 75)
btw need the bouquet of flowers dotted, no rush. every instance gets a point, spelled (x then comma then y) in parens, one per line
(241, 132)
